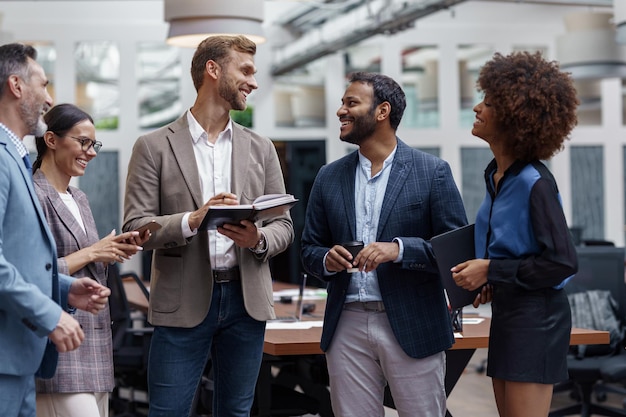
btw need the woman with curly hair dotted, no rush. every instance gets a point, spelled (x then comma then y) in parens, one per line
(523, 247)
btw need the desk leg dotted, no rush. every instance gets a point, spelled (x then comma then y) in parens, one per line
(263, 392)
(456, 361)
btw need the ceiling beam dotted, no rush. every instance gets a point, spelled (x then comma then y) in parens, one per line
(386, 20)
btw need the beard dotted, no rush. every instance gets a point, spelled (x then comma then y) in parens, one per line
(31, 113)
(362, 128)
(231, 94)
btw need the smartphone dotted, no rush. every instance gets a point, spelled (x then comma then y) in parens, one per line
(152, 226)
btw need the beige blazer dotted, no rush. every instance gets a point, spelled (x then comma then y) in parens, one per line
(163, 184)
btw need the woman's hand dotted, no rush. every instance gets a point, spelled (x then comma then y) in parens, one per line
(114, 248)
(471, 274)
(485, 296)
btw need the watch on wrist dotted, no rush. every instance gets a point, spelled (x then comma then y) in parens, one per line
(260, 245)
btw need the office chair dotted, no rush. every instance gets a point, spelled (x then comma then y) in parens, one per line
(613, 372)
(130, 349)
(600, 267)
(271, 400)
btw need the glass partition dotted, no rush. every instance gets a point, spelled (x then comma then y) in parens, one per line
(420, 74)
(46, 57)
(471, 58)
(158, 76)
(97, 82)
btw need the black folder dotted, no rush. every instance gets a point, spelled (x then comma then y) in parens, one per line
(451, 248)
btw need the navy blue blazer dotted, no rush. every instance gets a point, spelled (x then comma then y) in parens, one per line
(421, 201)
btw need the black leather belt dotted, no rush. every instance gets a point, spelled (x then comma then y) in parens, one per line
(375, 306)
(225, 275)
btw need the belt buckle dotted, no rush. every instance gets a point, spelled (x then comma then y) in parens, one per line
(216, 278)
(374, 306)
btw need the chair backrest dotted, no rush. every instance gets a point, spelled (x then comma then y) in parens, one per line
(138, 281)
(118, 305)
(601, 268)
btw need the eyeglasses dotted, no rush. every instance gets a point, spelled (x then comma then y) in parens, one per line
(87, 143)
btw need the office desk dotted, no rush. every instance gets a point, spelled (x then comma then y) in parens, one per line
(286, 342)
(281, 343)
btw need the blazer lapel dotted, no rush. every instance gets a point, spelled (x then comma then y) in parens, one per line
(91, 232)
(397, 177)
(240, 160)
(347, 190)
(182, 147)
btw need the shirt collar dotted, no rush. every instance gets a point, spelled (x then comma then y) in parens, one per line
(367, 164)
(198, 131)
(21, 148)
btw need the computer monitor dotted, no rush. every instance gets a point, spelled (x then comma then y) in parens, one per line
(602, 268)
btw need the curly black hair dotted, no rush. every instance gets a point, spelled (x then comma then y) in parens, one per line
(535, 103)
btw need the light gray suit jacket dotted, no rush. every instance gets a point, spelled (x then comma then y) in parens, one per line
(31, 290)
(163, 184)
(90, 367)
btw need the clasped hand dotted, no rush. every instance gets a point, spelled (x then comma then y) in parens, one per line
(85, 294)
(368, 259)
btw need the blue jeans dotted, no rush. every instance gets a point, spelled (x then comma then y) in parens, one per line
(230, 337)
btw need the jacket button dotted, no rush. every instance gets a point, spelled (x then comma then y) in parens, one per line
(48, 266)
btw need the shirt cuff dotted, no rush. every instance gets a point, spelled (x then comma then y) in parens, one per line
(184, 225)
(400, 249)
(326, 271)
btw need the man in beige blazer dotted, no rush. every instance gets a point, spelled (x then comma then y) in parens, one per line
(211, 292)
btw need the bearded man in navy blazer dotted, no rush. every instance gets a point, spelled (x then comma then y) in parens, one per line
(33, 295)
(388, 323)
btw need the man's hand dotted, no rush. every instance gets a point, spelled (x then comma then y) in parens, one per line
(245, 234)
(68, 335)
(338, 259)
(221, 199)
(366, 260)
(88, 295)
(375, 254)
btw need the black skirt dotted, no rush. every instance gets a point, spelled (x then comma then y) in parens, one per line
(529, 336)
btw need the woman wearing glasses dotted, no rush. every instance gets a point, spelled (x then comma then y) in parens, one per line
(84, 377)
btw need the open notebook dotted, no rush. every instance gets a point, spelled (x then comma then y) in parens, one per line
(297, 315)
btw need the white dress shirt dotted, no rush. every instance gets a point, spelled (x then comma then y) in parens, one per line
(214, 162)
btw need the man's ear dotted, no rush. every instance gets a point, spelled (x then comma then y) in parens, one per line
(14, 85)
(212, 68)
(383, 111)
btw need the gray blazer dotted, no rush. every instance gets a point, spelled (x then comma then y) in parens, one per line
(31, 289)
(90, 367)
(162, 184)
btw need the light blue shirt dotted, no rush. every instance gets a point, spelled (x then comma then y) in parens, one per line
(369, 193)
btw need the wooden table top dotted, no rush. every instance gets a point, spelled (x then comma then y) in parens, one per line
(307, 341)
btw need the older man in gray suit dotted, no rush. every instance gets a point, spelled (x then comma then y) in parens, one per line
(211, 292)
(33, 295)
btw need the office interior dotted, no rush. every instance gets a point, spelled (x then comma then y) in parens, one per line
(111, 59)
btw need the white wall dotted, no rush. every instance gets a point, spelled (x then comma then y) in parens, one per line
(502, 25)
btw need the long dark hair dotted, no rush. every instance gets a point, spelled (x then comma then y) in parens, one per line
(60, 119)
